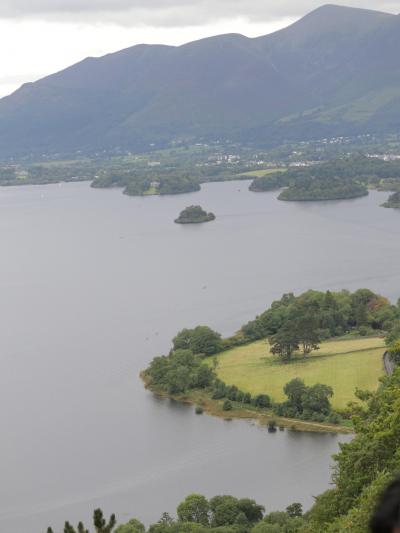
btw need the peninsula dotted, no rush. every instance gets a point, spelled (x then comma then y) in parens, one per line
(299, 364)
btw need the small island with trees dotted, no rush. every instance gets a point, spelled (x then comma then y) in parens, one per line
(317, 189)
(310, 185)
(338, 179)
(194, 215)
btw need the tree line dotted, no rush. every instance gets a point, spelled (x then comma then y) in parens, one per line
(346, 177)
(139, 182)
(197, 514)
(304, 321)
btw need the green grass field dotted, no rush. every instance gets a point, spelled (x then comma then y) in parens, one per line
(342, 364)
(262, 173)
(151, 191)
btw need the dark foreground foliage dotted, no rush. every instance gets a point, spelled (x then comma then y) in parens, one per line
(221, 514)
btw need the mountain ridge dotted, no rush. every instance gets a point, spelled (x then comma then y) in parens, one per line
(335, 70)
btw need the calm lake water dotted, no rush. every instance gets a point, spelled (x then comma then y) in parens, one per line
(94, 284)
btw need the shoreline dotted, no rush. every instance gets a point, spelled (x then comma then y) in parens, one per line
(200, 398)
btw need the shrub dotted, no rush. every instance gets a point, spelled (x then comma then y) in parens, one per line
(262, 400)
(232, 392)
(218, 394)
(239, 396)
(227, 405)
(363, 331)
(333, 418)
(247, 398)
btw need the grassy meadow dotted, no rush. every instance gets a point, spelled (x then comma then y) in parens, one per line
(151, 191)
(342, 364)
(263, 172)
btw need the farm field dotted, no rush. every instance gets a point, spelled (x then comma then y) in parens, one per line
(343, 364)
(263, 172)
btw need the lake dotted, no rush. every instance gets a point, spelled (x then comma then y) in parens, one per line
(94, 284)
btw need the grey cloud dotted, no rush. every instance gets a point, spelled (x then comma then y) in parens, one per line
(172, 12)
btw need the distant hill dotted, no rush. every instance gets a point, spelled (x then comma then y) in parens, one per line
(336, 71)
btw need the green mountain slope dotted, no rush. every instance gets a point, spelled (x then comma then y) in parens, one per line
(336, 71)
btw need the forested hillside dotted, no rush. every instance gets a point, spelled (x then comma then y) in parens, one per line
(334, 72)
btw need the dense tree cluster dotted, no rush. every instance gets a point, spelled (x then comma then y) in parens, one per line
(364, 466)
(182, 371)
(139, 182)
(293, 322)
(307, 403)
(317, 188)
(221, 514)
(201, 340)
(231, 393)
(194, 215)
(42, 173)
(179, 372)
(270, 182)
(394, 351)
(347, 177)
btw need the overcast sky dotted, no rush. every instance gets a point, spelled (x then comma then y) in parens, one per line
(39, 37)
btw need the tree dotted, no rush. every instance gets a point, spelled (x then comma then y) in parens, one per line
(219, 390)
(183, 339)
(285, 342)
(100, 524)
(309, 403)
(306, 323)
(133, 526)
(360, 302)
(251, 509)
(394, 352)
(262, 400)
(178, 379)
(225, 510)
(163, 525)
(295, 510)
(279, 522)
(202, 377)
(316, 399)
(295, 391)
(247, 398)
(205, 341)
(201, 340)
(195, 508)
